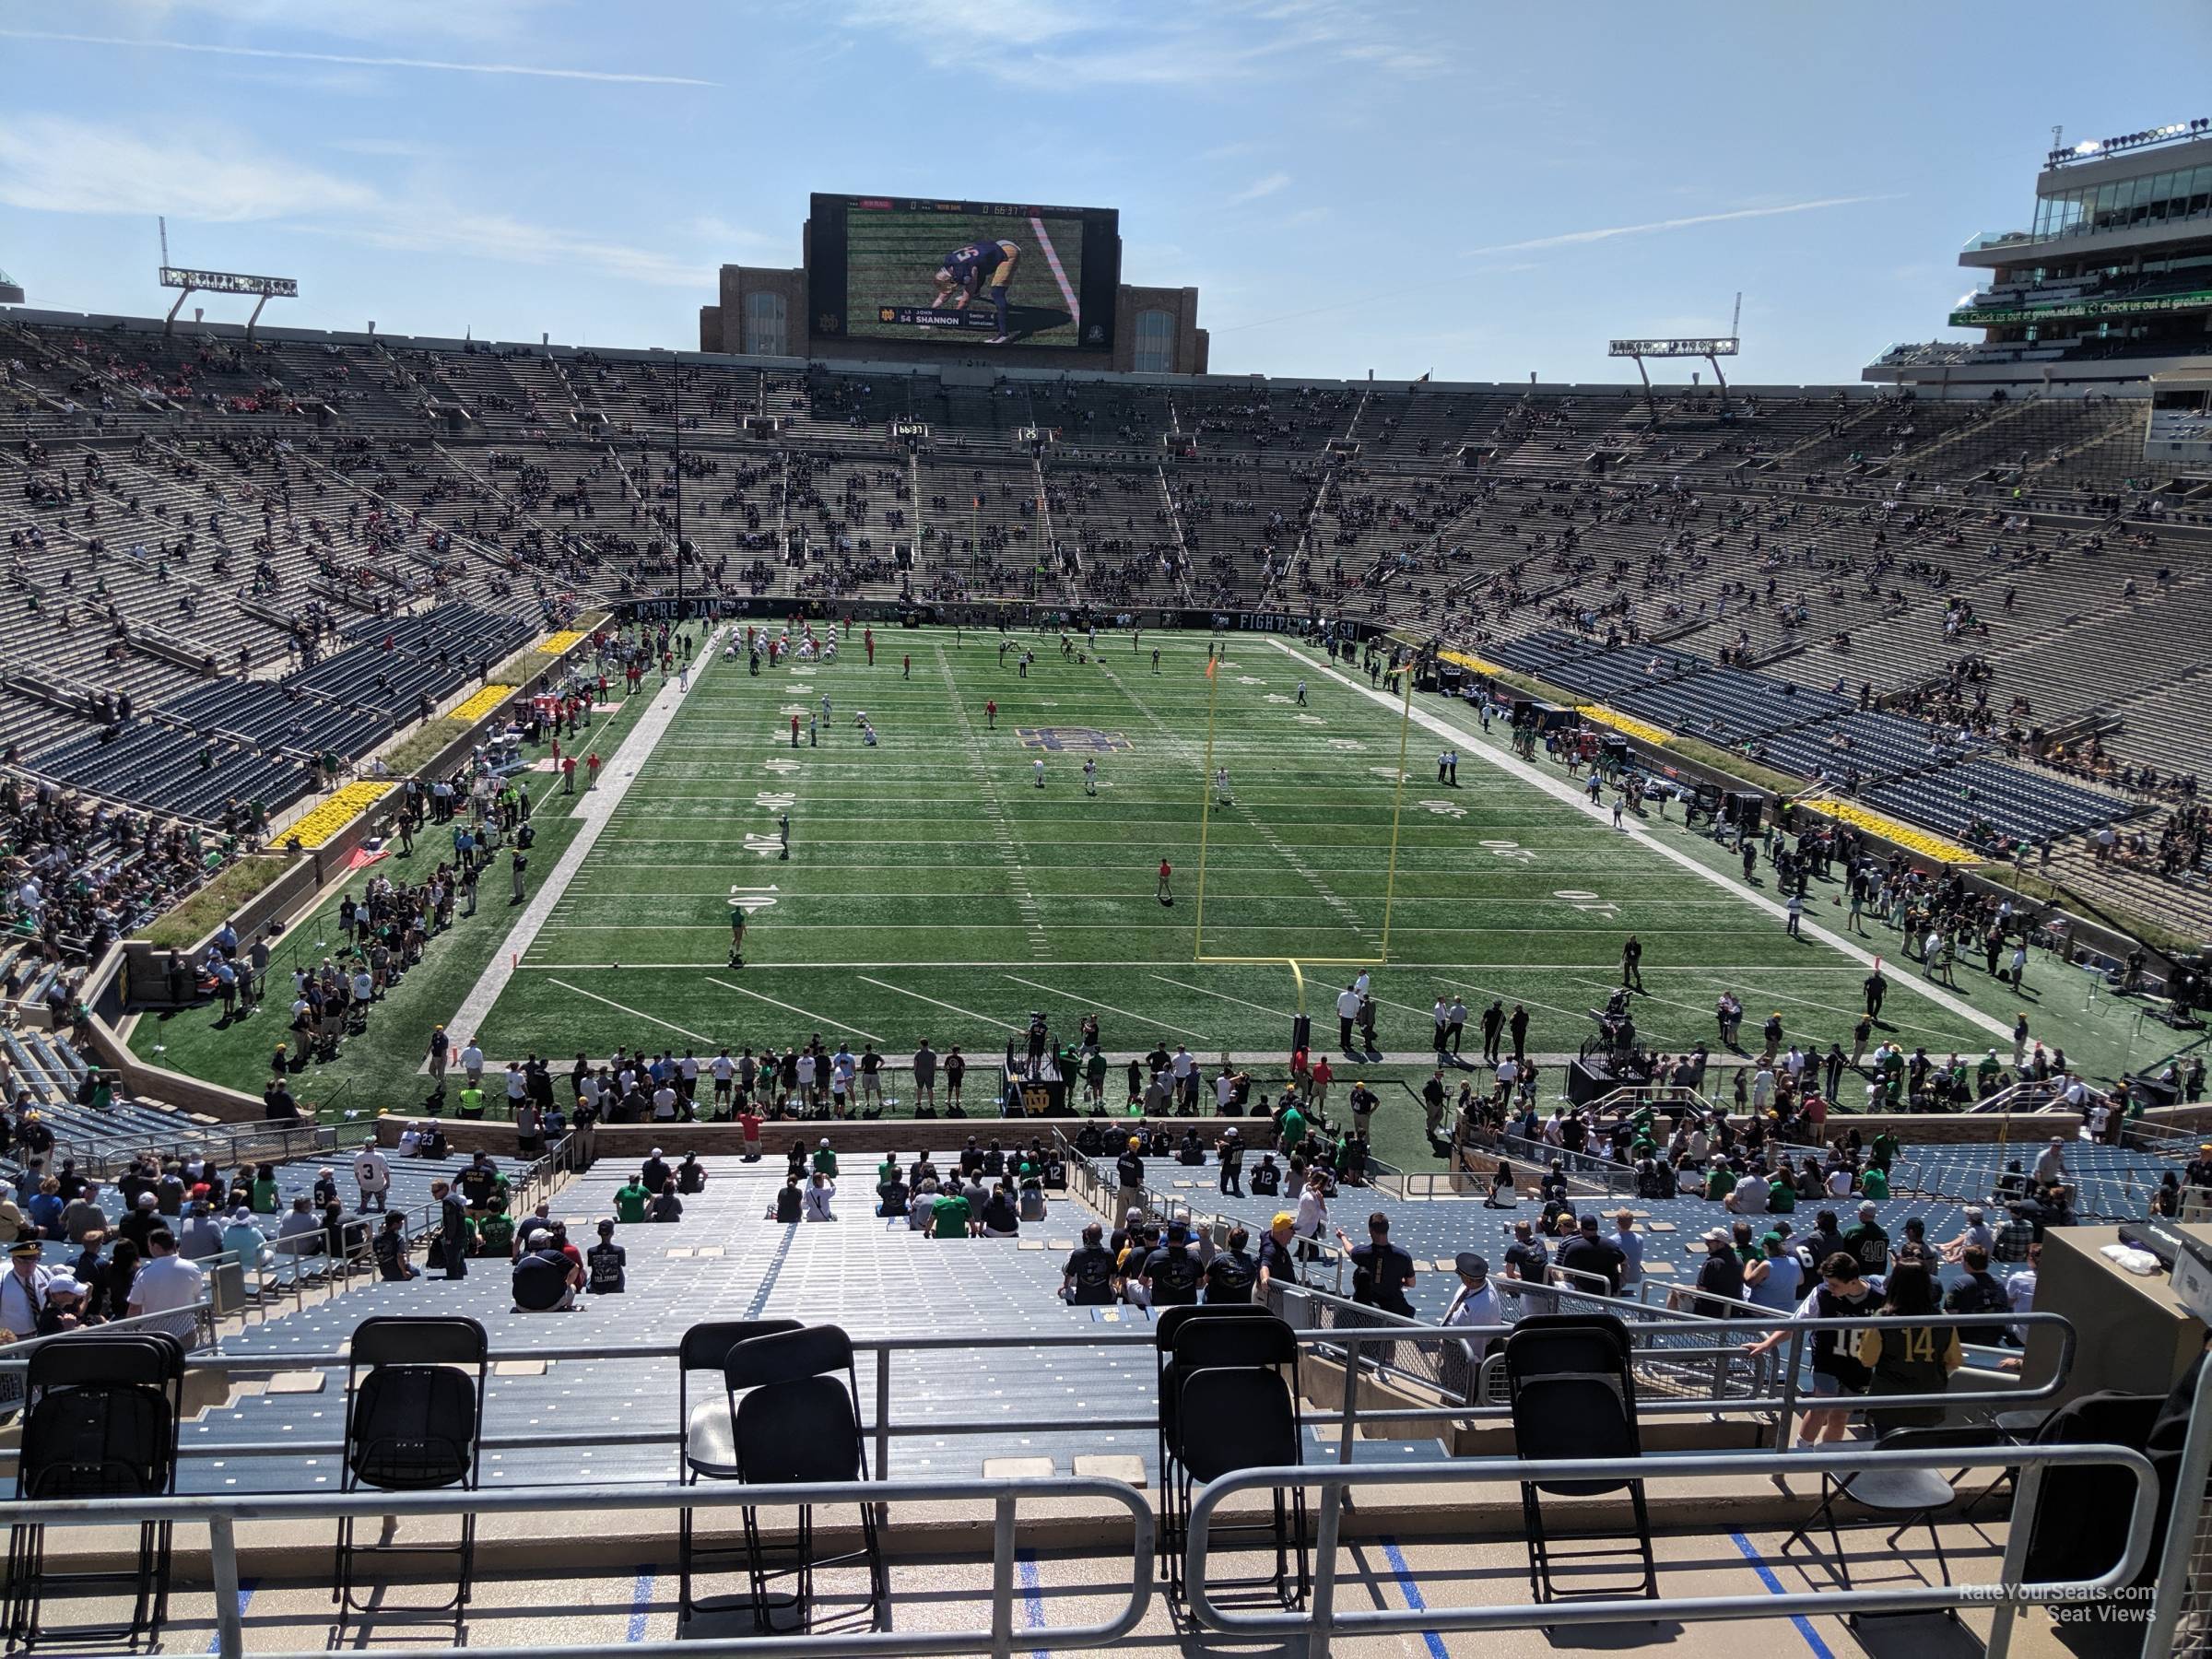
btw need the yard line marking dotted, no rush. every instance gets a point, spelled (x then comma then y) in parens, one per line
(1224, 995)
(1093, 1002)
(1437, 969)
(948, 1007)
(1052, 257)
(817, 1019)
(1512, 766)
(596, 810)
(634, 1013)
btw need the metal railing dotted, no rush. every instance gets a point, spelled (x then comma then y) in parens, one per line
(221, 1515)
(1321, 1622)
(229, 1143)
(1768, 1391)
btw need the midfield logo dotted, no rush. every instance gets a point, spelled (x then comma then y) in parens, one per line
(1063, 739)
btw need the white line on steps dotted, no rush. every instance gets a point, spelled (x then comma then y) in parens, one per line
(1515, 767)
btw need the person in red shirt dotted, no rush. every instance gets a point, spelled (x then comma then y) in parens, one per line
(1299, 1069)
(1324, 1074)
(1166, 870)
(748, 1124)
(991, 713)
(867, 638)
(907, 669)
(795, 731)
(591, 762)
(567, 775)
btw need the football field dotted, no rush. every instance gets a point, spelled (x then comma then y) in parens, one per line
(934, 889)
(891, 257)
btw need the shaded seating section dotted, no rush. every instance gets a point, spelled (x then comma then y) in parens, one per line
(148, 763)
(100, 1419)
(414, 1419)
(1573, 1396)
(2004, 798)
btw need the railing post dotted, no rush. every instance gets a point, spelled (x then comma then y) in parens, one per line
(1785, 1430)
(1322, 1606)
(1002, 1577)
(222, 1554)
(1351, 1403)
(883, 1413)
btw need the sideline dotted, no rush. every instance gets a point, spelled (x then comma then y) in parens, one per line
(601, 801)
(1516, 768)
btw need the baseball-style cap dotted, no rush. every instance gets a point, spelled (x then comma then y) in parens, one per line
(1718, 1235)
(147, 1200)
(1869, 1208)
(1471, 1265)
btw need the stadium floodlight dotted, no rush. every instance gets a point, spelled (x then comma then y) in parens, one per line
(188, 282)
(1711, 348)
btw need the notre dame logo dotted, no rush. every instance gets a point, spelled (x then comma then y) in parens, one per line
(1066, 739)
(830, 323)
(886, 315)
(1036, 1099)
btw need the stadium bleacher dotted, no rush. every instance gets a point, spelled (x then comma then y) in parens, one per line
(215, 512)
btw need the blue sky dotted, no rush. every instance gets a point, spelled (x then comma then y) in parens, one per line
(1480, 190)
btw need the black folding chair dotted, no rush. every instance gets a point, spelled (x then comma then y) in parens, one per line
(100, 1418)
(413, 1423)
(1232, 1376)
(1909, 1497)
(796, 1420)
(1164, 1329)
(709, 1433)
(1573, 1396)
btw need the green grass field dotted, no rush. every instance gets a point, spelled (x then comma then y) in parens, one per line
(934, 889)
(890, 257)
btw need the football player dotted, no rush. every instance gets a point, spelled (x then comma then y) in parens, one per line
(968, 271)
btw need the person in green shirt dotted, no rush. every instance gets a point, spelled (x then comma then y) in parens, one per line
(825, 1160)
(495, 1232)
(262, 1195)
(1293, 1128)
(472, 1102)
(1883, 1152)
(630, 1200)
(887, 1170)
(1720, 1183)
(1875, 1182)
(948, 1217)
(1781, 1197)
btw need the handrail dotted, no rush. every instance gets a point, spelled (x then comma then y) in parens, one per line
(221, 1514)
(1320, 1623)
(882, 1430)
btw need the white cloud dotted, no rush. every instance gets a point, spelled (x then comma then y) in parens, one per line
(53, 164)
(1052, 45)
(1268, 186)
(1607, 233)
(440, 65)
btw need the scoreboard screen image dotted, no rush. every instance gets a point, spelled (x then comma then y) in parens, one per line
(970, 274)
